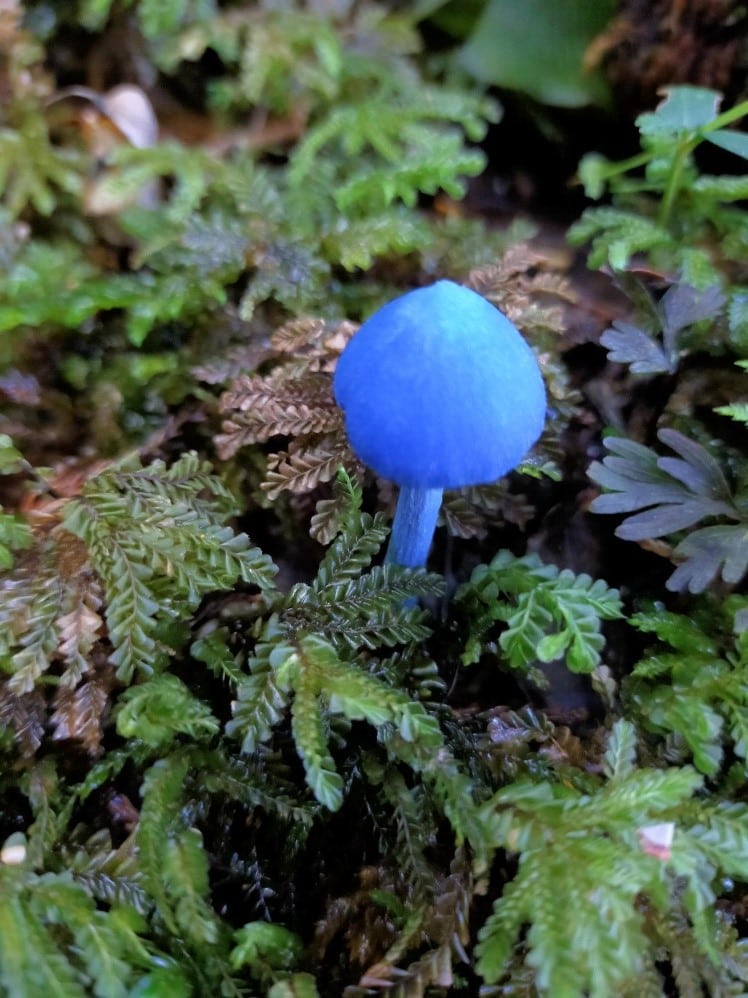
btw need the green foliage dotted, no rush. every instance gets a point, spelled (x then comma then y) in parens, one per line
(182, 541)
(589, 847)
(160, 709)
(303, 654)
(373, 136)
(152, 541)
(684, 222)
(511, 39)
(693, 683)
(675, 494)
(14, 533)
(737, 410)
(55, 941)
(181, 723)
(549, 614)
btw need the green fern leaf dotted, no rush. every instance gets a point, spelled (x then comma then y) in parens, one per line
(372, 610)
(311, 741)
(617, 235)
(549, 613)
(161, 708)
(620, 754)
(589, 843)
(185, 876)
(260, 701)
(722, 837)
(299, 985)
(261, 945)
(162, 791)
(180, 550)
(351, 552)
(30, 961)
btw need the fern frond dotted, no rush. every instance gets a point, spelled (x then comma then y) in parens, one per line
(79, 714)
(156, 531)
(373, 610)
(310, 737)
(263, 407)
(36, 599)
(158, 710)
(185, 876)
(309, 666)
(620, 754)
(415, 829)
(30, 960)
(311, 344)
(260, 701)
(616, 235)
(25, 715)
(305, 465)
(549, 613)
(253, 783)
(162, 791)
(352, 552)
(79, 629)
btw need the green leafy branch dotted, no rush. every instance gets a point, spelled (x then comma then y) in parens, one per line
(549, 613)
(302, 658)
(594, 850)
(669, 212)
(694, 682)
(148, 543)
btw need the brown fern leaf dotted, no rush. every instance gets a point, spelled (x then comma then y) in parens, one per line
(327, 519)
(516, 283)
(301, 335)
(50, 603)
(263, 407)
(356, 922)
(235, 436)
(79, 713)
(278, 405)
(450, 911)
(311, 344)
(447, 926)
(433, 969)
(35, 596)
(25, 715)
(471, 512)
(78, 628)
(305, 465)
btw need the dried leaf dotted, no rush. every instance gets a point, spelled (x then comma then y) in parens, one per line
(472, 511)
(79, 629)
(79, 714)
(263, 407)
(304, 466)
(517, 281)
(25, 714)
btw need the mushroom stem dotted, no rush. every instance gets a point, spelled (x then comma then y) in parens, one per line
(413, 526)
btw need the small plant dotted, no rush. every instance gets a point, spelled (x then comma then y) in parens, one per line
(673, 494)
(688, 223)
(238, 759)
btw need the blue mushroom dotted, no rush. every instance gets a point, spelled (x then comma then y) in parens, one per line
(439, 391)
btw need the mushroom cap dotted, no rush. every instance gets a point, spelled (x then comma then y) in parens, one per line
(440, 390)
